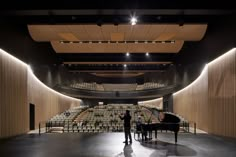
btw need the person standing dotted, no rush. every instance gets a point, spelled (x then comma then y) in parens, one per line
(127, 118)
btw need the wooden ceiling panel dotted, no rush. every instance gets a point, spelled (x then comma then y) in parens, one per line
(78, 30)
(117, 47)
(94, 32)
(121, 48)
(117, 36)
(196, 32)
(155, 31)
(127, 30)
(68, 36)
(187, 32)
(139, 32)
(166, 36)
(107, 30)
(111, 47)
(166, 47)
(41, 33)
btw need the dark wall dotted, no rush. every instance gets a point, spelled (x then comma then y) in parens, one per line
(168, 103)
(16, 40)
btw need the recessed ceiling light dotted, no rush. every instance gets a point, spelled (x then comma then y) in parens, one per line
(127, 54)
(125, 65)
(133, 20)
(147, 54)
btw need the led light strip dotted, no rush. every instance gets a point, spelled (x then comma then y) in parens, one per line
(205, 69)
(118, 42)
(150, 101)
(32, 74)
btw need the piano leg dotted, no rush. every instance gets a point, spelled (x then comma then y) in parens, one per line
(155, 134)
(176, 137)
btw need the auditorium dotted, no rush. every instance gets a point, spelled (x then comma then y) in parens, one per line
(117, 78)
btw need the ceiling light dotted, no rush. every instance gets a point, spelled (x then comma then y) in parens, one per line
(125, 65)
(133, 21)
(147, 54)
(127, 54)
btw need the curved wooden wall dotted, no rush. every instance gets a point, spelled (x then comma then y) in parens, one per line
(18, 88)
(210, 100)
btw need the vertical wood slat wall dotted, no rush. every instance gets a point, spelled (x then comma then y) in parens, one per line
(211, 100)
(18, 88)
(47, 103)
(13, 96)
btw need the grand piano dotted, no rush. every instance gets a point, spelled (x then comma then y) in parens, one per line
(169, 122)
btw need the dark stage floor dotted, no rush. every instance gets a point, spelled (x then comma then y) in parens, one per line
(111, 145)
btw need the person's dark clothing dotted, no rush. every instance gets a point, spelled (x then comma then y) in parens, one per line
(127, 127)
(126, 119)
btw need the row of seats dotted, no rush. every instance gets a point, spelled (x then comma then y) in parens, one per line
(106, 118)
(58, 122)
(116, 87)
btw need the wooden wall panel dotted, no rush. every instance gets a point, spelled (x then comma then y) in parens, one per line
(210, 101)
(13, 96)
(47, 103)
(18, 88)
(222, 77)
(191, 102)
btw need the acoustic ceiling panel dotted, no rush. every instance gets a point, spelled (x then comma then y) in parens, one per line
(187, 32)
(117, 47)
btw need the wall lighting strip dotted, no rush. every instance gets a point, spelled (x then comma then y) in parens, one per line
(13, 57)
(150, 101)
(230, 52)
(50, 89)
(118, 42)
(32, 74)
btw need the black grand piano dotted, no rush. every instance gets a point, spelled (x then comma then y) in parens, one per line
(169, 122)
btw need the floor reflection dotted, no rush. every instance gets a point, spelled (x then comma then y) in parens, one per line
(127, 152)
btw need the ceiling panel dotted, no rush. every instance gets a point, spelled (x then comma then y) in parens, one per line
(188, 32)
(117, 47)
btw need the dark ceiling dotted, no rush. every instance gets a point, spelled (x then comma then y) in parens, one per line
(118, 12)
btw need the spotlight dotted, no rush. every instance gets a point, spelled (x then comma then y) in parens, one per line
(116, 21)
(125, 65)
(147, 54)
(181, 23)
(127, 54)
(133, 21)
(99, 23)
